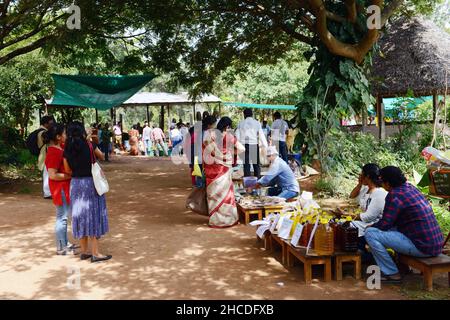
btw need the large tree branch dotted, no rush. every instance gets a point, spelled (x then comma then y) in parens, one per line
(23, 50)
(358, 51)
(389, 10)
(39, 27)
(351, 10)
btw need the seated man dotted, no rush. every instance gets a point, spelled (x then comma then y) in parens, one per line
(416, 232)
(279, 175)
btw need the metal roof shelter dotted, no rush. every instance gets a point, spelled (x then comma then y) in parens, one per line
(166, 100)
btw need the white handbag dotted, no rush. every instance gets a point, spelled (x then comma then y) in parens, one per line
(100, 182)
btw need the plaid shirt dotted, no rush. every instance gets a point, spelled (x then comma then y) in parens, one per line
(409, 211)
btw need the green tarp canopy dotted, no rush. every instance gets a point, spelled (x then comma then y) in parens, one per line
(99, 92)
(259, 106)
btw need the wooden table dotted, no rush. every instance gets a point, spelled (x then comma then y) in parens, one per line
(282, 243)
(341, 257)
(247, 212)
(260, 211)
(272, 209)
(308, 261)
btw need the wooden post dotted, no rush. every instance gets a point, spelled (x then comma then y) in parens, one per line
(161, 118)
(96, 116)
(380, 116)
(121, 121)
(435, 106)
(111, 113)
(148, 114)
(364, 119)
(169, 121)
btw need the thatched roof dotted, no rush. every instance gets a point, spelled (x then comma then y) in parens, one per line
(414, 55)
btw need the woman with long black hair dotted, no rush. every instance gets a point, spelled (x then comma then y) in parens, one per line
(220, 149)
(89, 213)
(370, 196)
(59, 183)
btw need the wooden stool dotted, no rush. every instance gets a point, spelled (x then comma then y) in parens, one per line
(341, 257)
(308, 262)
(283, 244)
(428, 266)
(248, 212)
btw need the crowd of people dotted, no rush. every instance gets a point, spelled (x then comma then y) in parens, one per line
(395, 215)
(216, 146)
(149, 140)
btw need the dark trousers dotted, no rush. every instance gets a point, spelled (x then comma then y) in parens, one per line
(282, 149)
(105, 150)
(252, 157)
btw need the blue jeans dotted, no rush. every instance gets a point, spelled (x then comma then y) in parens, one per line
(62, 213)
(278, 192)
(148, 146)
(379, 240)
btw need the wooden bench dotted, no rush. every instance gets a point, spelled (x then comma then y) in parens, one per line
(429, 267)
(341, 257)
(283, 244)
(247, 212)
(308, 261)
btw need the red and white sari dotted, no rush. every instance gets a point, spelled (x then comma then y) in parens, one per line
(217, 163)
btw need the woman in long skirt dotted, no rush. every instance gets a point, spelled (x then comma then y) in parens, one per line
(220, 147)
(89, 213)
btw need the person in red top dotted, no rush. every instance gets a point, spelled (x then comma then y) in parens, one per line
(59, 182)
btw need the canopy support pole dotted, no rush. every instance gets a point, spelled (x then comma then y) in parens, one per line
(380, 116)
(112, 116)
(148, 114)
(96, 116)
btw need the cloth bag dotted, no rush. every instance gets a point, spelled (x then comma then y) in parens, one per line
(197, 202)
(100, 182)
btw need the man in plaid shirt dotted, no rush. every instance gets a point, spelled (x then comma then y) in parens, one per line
(408, 225)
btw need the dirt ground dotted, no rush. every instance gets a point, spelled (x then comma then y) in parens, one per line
(160, 250)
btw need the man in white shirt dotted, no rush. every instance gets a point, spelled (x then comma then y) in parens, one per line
(249, 132)
(147, 138)
(278, 133)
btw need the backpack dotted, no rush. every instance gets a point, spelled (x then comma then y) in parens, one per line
(32, 142)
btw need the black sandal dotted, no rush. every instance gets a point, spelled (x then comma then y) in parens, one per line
(98, 259)
(84, 256)
(389, 280)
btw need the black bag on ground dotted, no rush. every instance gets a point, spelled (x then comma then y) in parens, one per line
(197, 202)
(32, 142)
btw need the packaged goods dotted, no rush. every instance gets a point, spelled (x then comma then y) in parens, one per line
(324, 239)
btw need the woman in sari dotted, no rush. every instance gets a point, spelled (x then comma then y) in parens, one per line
(220, 147)
(134, 142)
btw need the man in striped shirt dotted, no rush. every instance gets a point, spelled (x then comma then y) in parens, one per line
(408, 225)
